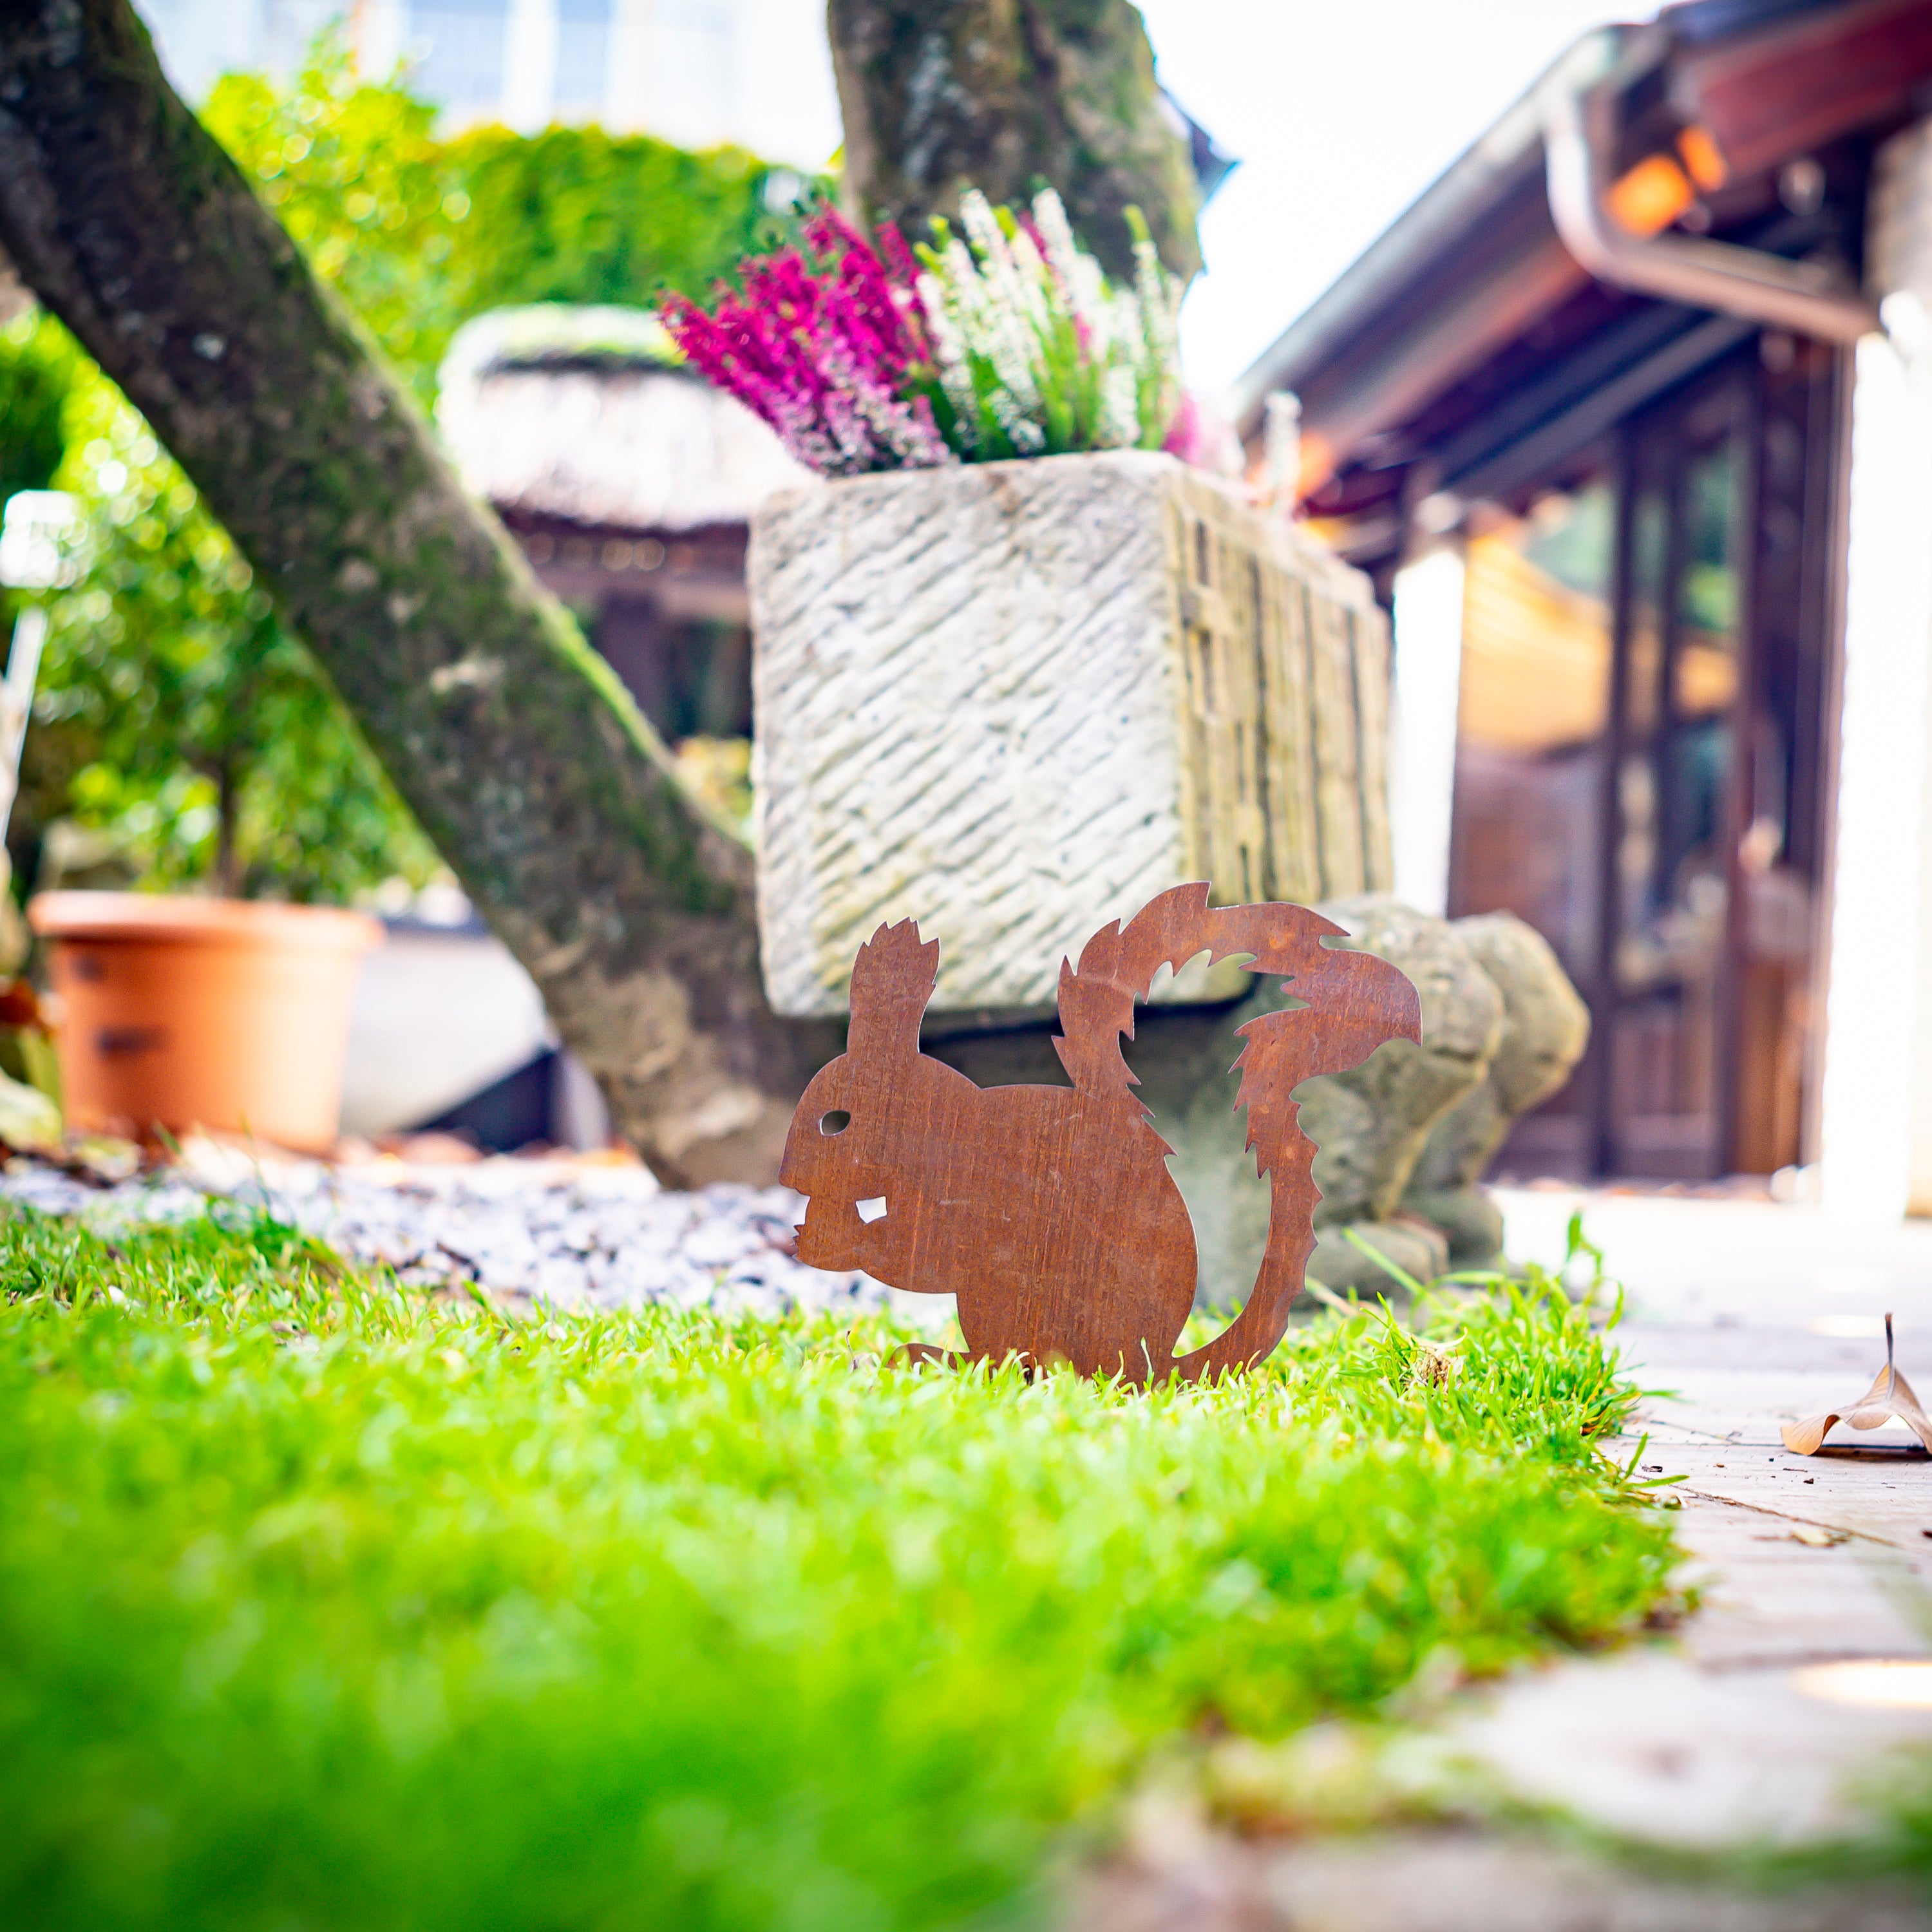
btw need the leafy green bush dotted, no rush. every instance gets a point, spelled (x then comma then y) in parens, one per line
(321, 1605)
(214, 749)
(575, 214)
(194, 729)
(355, 173)
(36, 370)
(418, 233)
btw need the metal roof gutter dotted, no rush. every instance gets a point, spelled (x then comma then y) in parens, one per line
(1578, 105)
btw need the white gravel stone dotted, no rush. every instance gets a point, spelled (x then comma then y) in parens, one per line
(566, 1236)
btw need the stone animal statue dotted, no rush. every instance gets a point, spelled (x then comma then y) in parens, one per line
(1049, 1211)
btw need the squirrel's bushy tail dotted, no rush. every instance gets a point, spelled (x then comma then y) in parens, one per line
(1354, 1002)
(1276, 1056)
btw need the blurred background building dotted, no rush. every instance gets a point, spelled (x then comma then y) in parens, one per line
(630, 482)
(699, 73)
(1612, 415)
(1656, 525)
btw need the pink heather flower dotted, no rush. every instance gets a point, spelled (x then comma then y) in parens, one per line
(1203, 439)
(829, 349)
(847, 345)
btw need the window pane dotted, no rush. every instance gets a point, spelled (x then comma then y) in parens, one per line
(1531, 719)
(459, 47)
(583, 57)
(1665, 1061)
(1707, 666)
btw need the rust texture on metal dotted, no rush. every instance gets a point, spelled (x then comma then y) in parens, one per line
(1049, 1211)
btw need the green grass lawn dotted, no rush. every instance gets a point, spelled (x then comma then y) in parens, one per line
(324, 1605)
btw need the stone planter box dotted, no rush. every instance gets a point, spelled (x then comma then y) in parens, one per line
(1016, 700)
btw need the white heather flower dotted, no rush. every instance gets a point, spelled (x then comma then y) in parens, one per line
(1119, 407)
(1033, 283)
(1063, 252)
(1027, 333)
(949, 349)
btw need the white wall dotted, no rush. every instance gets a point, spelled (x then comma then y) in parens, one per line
(701, 73)
(438, 1016)
(200, 40)
(787, 103)
(1426, 689)
(1877, 944)
(1875, 1136)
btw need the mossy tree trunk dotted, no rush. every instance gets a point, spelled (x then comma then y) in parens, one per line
(939, 95)
(522, 755)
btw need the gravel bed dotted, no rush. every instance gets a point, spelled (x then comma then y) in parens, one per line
(564, 1235)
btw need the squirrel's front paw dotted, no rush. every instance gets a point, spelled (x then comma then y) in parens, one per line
(833, 1235)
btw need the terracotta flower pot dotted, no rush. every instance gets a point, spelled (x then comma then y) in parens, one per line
(211, 1013)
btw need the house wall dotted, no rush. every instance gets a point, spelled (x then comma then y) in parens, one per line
(700, 73)
(1876, 1133)
(200, 40)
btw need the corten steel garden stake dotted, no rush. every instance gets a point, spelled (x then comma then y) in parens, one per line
(1049, 1211)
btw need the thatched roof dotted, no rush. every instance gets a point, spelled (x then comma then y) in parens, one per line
(584, 413)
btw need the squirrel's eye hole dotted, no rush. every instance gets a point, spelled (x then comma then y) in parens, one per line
(835, 1122)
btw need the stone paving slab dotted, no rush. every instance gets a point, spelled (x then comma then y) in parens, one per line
(1749, 1314)
(1654, 1747)
(1773, 1599)
(1882, 1494)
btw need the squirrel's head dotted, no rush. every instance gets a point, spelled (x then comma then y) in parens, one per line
(840, 1143)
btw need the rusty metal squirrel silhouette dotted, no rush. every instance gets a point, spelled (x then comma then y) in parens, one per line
(1049, 1211)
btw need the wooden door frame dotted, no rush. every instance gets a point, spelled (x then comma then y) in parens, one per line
(1745, 378)
(1741, 789)
(1827, 539)
(1604, 997)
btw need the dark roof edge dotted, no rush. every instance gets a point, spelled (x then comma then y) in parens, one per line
(1457, 201)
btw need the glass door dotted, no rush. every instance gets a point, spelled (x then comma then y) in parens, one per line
(1666, 1056)
(1641, 758)
(1532, 741)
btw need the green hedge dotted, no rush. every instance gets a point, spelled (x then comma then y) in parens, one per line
(176, 712)
(420, 232)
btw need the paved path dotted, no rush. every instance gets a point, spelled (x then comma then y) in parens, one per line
(1749, 1314)
(1710, 1740)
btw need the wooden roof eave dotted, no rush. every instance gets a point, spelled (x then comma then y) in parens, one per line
(1802, 84)
(1476, 261)
(1394, 372)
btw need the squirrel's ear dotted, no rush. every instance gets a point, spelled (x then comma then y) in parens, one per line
(892, 978)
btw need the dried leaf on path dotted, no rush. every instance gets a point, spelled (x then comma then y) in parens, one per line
(1890, 1395)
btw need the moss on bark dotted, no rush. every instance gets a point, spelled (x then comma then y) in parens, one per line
(523, 756)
